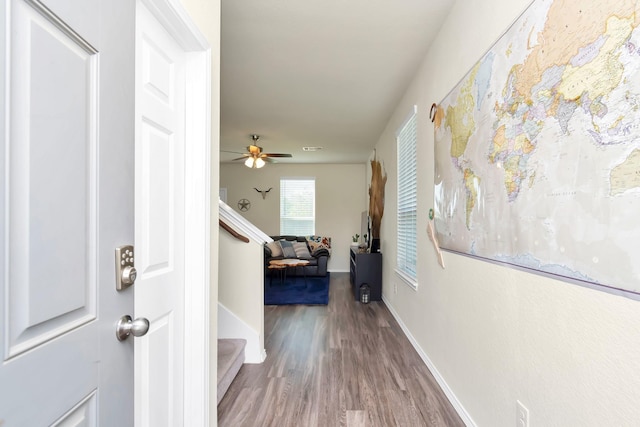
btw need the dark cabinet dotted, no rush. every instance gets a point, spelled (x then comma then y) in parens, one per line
(366, 268)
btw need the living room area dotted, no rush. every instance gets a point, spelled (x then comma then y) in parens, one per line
(341, 194)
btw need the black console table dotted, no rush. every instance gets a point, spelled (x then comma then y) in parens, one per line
(366, 268)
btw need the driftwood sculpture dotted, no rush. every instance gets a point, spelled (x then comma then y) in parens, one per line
(376, 197)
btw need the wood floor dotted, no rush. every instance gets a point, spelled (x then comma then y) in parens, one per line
(345, 364)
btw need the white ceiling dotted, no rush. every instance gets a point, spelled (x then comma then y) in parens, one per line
(323, 73)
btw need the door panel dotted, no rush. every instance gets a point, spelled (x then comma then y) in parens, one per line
(157, 385)
(157, 228)
(53, 155)
(84, 414)
(66, 169)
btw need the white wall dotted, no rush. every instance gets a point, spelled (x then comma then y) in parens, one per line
(341, 196)
(241, 289)
(240, 284)
(569, 353)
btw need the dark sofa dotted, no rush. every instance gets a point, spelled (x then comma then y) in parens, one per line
(316, 254)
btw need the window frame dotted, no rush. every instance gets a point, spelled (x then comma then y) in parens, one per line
(313, 205)
(407, 201)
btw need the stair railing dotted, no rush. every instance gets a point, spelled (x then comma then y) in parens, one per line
(233, 232)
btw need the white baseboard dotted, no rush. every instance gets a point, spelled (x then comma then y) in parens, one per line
(466, 418)
(231, 326)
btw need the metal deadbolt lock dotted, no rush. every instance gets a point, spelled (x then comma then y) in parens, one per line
(129, 275)
(125, 271)
(126, 326)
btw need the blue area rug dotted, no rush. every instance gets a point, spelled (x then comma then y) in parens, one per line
(295, 291)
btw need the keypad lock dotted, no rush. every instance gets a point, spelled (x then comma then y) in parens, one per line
(125, 271)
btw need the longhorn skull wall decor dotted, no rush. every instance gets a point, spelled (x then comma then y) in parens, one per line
(263, 192)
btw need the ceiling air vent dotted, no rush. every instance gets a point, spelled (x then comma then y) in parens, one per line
(311, 148)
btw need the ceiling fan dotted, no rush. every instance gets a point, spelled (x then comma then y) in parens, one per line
(255, 158)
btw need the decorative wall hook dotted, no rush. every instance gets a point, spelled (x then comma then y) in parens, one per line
(263, 192)
(433, 111)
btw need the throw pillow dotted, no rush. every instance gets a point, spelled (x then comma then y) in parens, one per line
(319, 242)
(302, 252)
(275, 248)
(287, 249)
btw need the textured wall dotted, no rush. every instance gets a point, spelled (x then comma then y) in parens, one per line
(569, 353)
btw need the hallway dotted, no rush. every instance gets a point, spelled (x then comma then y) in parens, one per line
(345, 364)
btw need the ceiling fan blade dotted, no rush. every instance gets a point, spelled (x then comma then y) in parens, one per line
(244, 156)
(275, 155)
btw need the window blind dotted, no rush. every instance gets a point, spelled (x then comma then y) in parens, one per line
(297, 206)
(407, 198)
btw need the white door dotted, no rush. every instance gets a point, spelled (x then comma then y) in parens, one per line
(66, 174)
(160, 223)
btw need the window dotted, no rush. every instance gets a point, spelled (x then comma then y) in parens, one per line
(407, 200)
(297, 206)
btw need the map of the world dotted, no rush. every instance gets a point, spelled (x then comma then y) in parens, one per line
(537, 149)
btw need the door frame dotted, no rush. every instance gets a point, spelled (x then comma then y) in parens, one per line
(197, 207)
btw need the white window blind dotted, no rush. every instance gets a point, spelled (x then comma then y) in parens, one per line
(297, 206)
(407, 199)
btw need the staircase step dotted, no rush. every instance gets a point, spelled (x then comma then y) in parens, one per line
(230, 360)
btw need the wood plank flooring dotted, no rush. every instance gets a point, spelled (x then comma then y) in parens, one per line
(345, 364)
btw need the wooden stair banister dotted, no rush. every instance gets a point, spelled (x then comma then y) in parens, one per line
(233, 232)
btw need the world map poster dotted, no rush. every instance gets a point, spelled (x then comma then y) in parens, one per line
(537, 149)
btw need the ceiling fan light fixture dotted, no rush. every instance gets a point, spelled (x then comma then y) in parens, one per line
(254, 162)
(254, 158)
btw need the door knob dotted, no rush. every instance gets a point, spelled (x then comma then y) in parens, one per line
(126, 327)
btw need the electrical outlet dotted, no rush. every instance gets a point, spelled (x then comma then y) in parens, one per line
(395, 288)
(522, 415)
